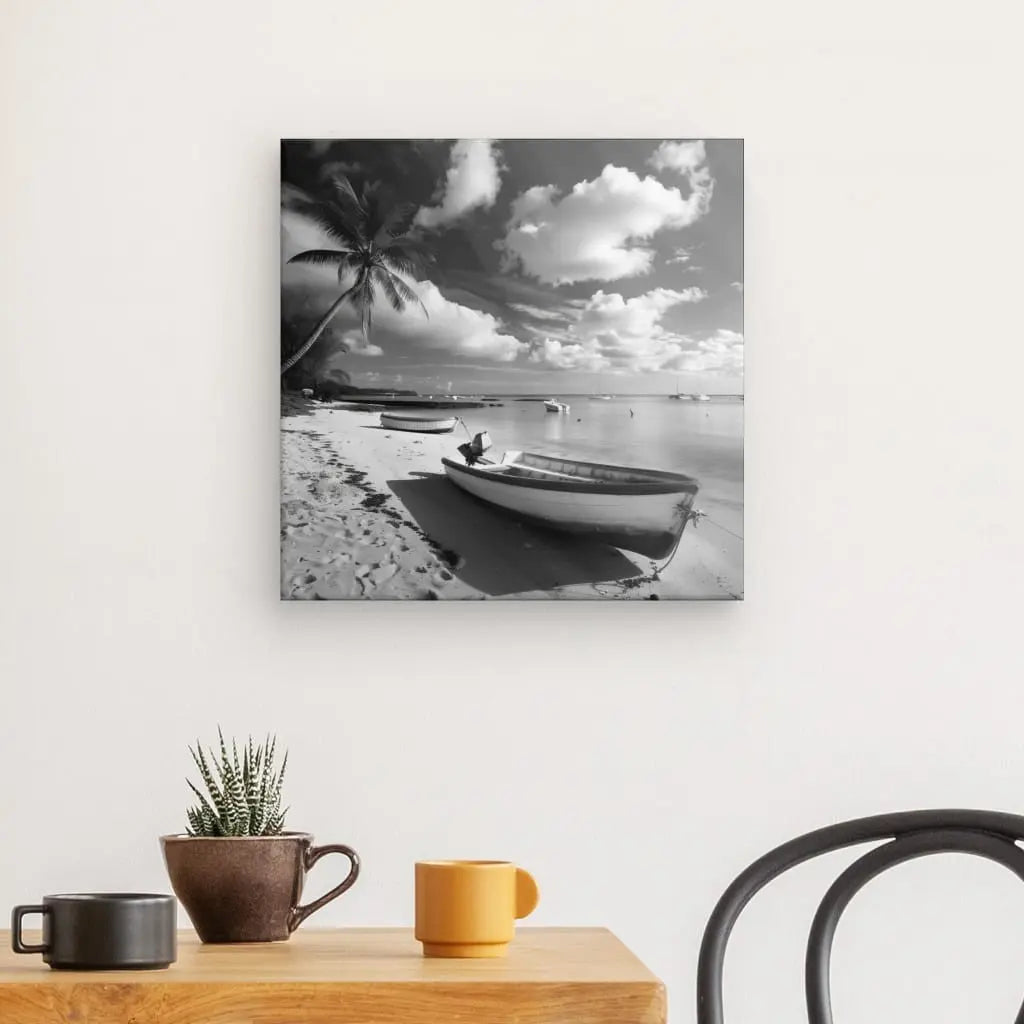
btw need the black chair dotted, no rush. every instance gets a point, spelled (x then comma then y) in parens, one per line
(990, 834)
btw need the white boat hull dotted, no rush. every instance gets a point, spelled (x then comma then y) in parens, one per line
(418, 424)
(647, 516)
(556, 407)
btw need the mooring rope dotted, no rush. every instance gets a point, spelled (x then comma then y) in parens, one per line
(695, 516)
(725, 529)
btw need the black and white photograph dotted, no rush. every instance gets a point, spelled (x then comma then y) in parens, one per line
(512, 369)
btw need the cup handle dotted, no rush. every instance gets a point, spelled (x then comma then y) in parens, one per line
(312, 855)
(527, 894)
(17, 915)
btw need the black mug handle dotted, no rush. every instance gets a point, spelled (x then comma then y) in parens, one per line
(310, 857)
(17, 915)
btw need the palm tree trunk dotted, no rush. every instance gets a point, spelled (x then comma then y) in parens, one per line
(317, 331)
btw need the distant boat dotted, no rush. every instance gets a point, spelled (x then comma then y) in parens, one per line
(552, 406)
(701, 398)
(641, 510)
(678, 396)
(604, 398)
(418, 424)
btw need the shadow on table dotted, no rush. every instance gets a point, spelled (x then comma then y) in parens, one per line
(500, 554)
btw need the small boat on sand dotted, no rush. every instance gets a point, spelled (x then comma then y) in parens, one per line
(552, 406)
(641, 510)
(424, 423)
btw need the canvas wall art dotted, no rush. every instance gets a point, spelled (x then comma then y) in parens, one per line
(512, 369)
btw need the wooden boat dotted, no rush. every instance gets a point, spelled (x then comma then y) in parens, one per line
(421, 424)
(641, 510)
(552, 406)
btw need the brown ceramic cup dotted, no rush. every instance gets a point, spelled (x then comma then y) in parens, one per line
(247, 888)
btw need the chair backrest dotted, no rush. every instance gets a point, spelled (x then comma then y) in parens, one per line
(989, 834)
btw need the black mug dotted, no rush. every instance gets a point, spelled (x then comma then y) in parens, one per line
(102, 931)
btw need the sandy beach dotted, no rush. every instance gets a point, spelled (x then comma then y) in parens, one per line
(368, 512)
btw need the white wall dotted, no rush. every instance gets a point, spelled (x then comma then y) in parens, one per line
(635, 757)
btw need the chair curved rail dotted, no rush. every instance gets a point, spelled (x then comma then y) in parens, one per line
(989, 834)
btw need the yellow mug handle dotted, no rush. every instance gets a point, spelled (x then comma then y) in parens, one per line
(527, 894)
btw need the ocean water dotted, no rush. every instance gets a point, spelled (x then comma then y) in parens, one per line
(701, 439)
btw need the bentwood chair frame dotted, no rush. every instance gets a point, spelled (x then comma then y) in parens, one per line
(990, 834)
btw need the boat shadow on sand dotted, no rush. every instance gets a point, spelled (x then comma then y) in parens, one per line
(498, 553)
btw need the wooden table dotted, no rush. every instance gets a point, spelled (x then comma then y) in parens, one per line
(352, 976)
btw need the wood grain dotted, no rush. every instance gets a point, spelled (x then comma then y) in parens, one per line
(356, 976)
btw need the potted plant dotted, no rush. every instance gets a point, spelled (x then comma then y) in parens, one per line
(237, 872)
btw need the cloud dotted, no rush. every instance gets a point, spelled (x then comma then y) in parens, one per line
(680, 256)
(596, 231)
(620, 335)
(537, 313)
(450, 326)
(637, 316)
(357, 345)
(473, 181)
(719, 353)
(738, 285)
(453, 327)
(578, 356)
(685, 157)
(722, 352)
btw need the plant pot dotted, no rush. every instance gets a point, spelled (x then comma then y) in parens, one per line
(247, 888)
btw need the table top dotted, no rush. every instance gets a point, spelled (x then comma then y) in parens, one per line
(348, 976)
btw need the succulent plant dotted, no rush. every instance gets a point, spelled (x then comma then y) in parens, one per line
(243, 794)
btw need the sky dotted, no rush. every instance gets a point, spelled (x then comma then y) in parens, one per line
(562, 267)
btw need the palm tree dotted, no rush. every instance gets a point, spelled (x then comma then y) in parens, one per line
(372, 244)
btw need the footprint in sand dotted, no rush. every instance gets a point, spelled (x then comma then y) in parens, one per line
(380, 574)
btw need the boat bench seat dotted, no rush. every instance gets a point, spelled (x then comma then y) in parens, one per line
(582, 477)
(533, 471)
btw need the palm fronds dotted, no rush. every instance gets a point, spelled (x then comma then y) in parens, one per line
(373, 248)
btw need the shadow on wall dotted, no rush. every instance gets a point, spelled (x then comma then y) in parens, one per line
(499, 554)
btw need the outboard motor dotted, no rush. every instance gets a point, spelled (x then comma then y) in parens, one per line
(473, 451)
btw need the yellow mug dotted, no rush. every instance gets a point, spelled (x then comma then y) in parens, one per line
(468, 908)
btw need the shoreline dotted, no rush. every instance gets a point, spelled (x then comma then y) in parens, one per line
(367, 512)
